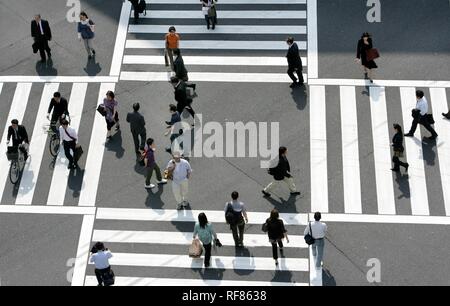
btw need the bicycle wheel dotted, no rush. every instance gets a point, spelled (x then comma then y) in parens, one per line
(54, 145)
(14, 172)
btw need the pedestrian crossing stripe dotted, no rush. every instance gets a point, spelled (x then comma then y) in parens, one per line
(224, 29)
(160, 14)
(214, 44)
(177, 2)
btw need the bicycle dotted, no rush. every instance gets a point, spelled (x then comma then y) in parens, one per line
(55, 138)
(17, 158)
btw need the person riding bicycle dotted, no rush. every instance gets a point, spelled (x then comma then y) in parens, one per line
(19, 135)
(60, 109)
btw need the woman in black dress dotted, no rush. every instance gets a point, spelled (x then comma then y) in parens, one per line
(364, 44)
(397, 144)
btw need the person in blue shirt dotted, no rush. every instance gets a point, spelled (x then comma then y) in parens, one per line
(86, 28)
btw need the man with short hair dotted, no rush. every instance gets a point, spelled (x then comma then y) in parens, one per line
(137, 126)
(183, 102)
(172, 42)
(294, 62)
(69, 140)
(173, 126)
(151, 165)
(239, 218)
(318, 231)
(60, 109)
(420, 116)
(181, 172)
(19, 135)
(41, 33)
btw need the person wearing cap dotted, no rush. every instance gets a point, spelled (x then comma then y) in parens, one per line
(137, 126)
(172, 42)
(181, 173)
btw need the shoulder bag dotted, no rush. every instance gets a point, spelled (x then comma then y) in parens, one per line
(309, 239)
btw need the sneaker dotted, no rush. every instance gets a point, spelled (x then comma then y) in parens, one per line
(163, 181)
(266, 194)
(180, 206)
(150, 186)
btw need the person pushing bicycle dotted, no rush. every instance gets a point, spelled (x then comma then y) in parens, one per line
(60, 109)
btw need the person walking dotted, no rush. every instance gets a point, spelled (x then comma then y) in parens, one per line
(239, 217)
(365, 44)
(151, 165)
(86, 29)
(60, 109)
(204, 231)
(183, 102)
(180, 70)
(276, 231)
(294, 63)
(19, 135)
(69, 140)
(210, 13)
(112, 115)
(136, 10)
(397, 144)
(181, 171)
(420, 115)
(42, 34)
(318, 231)
(172, 42)
(173, 127)
(100, 257)
(137, 127)
(282, 172)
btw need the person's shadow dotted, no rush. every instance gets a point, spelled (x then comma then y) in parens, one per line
(115, 144)
(75, 181)
(403, 185)
(284, 206)
(428, 153)
(92, 67)
(300, 96)
(327, 278)
(153, 199)
(46, 69)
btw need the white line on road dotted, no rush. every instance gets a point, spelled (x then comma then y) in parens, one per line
(224, 29)
(1, 87)
(38, 143)
(378, 83)
(50, 210)
(385, 219)
(313, 56)
(119, 46)
(177, 2)
(160, 14)
(81, 261)
(381, 151)
(214, 44)
(58, 79)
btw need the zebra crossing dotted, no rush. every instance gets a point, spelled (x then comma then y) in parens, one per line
(226, 54)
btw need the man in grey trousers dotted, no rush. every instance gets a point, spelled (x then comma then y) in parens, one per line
(318, 231)
(137, 125)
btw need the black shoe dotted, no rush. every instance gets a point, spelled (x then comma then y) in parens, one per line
(431, 138)
(266, 194)
(371, 81)
(168, 123)
(93, 51)
(49, 55)
(446, 115)
(409, 135)
(89, 56)
(395, 170)
(295, 193)
(406, 167)
(293, 84)
(70, 166)
(194, 86)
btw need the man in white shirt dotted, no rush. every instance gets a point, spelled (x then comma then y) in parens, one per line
(318, 231)
(100, 258)
(420, 116)
(69, 138)
(181, 171)
(239, 218)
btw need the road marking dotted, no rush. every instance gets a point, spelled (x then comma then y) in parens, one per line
(160, 14)
(214, 44)
(38, 143)
(378, 83)
(313, 56)
(318, 126)
(209, 77)
(81, 261)
(172, 215)
(185, 282)
(60, 176)
(217, 262)
(119, 46)
(225, 2)
(442, 126)
(350, 151)
(381, 151)
(42, 209)
(224, 29)
(212, 60)
(17, 111)
(1, 87)
(58, 79)
(315, 275)
(413, 145)
(91, 177)
(185, 238)
(385, 219)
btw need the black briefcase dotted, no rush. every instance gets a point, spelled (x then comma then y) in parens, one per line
(35, 47)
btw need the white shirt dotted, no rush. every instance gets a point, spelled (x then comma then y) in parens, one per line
(40, 27)
(101, 259)
(422, 105)
(238, 206)
(182, 169)
(319, 229)
(71, 131)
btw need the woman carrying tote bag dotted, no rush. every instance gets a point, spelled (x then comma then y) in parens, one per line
(204, 232)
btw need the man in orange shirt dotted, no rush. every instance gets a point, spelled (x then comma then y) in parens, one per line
(172, 42)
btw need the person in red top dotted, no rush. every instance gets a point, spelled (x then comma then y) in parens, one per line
(172, 42)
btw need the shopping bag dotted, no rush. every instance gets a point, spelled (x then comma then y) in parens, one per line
(195, 250)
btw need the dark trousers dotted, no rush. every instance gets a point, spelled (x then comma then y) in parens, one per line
(99, 274)
(423, 121)
(110, 124)
(207, 253)
(187, 106)
(143, 137)
(53, 121)
(299, 71)
(397, 163)
(238, 232)
(68, 145)
(274, 248)
(150, 170)
(136, 12)
(42, 44)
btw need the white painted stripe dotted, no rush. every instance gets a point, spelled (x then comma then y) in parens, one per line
(313, 50)
(350, 151)
(212, 60)
(442, 126)
(1, 87)
(185, 282)
(81, 261)
(209, 77)
(386, 219)
(58, 79)
(60, 176)
(17, 111)
(413, 146)
(156, 14)
(378, 83)
(119, 46)
(185, 238)
(50, 210)
(174, 2)
(224, 29)
(217, 262)
(315, 275)
(381, 151)
(319, 177)
(214, 44)
(91, 177)
(38, 143)
(169, 215)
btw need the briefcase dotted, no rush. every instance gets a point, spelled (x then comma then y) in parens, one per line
(35, 47)
(372, 54)
(78, 152)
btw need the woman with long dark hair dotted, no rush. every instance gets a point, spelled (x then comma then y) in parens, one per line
(276, 232)
(205, 233)
(397, 144)
(365, 44)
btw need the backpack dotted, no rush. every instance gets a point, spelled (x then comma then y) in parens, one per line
(231, 216)
(142, 7)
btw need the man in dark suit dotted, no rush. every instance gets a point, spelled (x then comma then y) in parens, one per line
(40, 31)
(294, 63)
(137, 126)
(19, 135)
(183, 101)
(135, 4)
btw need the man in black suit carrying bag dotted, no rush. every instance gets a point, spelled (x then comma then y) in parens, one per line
(40, 31)
(294, 63)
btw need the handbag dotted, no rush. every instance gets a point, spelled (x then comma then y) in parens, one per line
(102, 110)
(372, 54)
(429, 118)
(109, 278)
(195, 250)
(168, 173)
(78, 152)
(264, 227)
(309, 239)
(35, 47)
